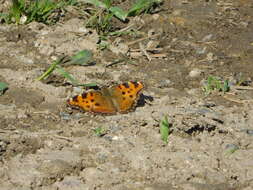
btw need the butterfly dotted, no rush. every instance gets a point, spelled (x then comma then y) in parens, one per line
(120, 98)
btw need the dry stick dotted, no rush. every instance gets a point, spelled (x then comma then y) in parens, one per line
(141, 39)
(243, 88)
(238, 101)
(148, 49)
(126, 28)
(159, 55)
(144, 51)
(63, 138)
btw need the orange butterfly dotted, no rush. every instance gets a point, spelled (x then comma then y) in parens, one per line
(115, 99)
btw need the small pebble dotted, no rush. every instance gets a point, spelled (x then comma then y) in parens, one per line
(201, 50)
(77, 90)
(249, 132)
(65, 116)
(207, 38)
(164, 83)
(195, 73)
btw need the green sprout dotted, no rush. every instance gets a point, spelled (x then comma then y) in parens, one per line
(99, 131)
(215, 84)
(81, 58)
(165, 129)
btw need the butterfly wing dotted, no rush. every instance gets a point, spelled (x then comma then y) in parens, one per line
(93, 101)
(125, 96)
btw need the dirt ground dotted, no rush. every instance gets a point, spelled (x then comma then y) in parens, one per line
(45, 145)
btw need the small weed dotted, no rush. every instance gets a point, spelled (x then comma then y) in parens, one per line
(99, 131)
(165, 129)
(104, 12)
(143, 6)
(215, 84)
(3, 87)
(34, 10)
(81, 58)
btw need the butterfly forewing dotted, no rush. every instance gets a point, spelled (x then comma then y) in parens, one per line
(126, 95)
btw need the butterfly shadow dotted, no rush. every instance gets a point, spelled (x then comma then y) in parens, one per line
(143, 99)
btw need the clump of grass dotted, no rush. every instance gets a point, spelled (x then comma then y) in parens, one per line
(34, 10)
(3, 88)
(81, 58)
(105, 11)
(215, 84)
(165, 129)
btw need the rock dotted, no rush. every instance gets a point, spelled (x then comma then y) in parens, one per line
(165, 83)
(65, 116)
(23, 172)
(207, 38)
(195, 73)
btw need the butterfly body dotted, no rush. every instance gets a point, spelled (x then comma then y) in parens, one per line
(116, 99)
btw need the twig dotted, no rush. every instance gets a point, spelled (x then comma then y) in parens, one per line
(144, 51)
(141, 39)
(243, 88)
(238, 101)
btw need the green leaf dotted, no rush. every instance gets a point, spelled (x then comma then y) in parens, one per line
(66, 75)
(108, 3)
(88, 85)
(141, 5)
(81, 58)
(226, 86)
(164, 129)
(50, 69)
(3, 87)
(119, 13)
(97, 3)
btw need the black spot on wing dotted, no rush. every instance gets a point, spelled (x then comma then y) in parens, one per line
(75, 98)
(136, 84)
(97, 104)
(84, 95)
(126, 85)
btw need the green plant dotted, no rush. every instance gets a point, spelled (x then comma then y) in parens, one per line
(34, 10)
(99, 131)
(105, 11)
(165, 129)
(142, 6)
(81, 58)
(215, 84)
(3, 87)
